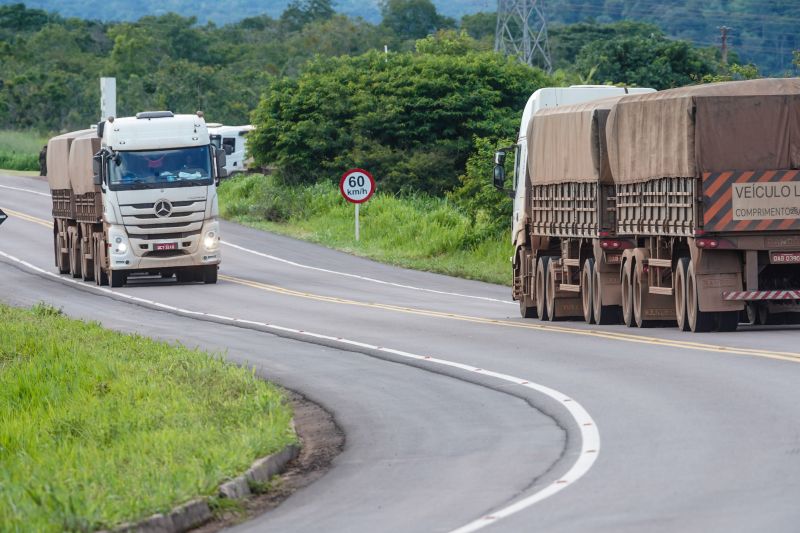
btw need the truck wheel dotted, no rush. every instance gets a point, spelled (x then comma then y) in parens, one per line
(603, 314)
(74, 253)
(699, 321)
(637, 292)
(100, 276)
(627, 303)
(527, 305)
(727, 320)
(541, 286)
(87, 265)
(679, 288)
(62, 259)
(118, 278)
(587, 290)
(551, 291)
(210, 274)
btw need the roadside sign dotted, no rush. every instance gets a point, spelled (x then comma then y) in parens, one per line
(357, 186)
(3, 217)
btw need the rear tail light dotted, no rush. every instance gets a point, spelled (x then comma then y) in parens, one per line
(707, 243)
(612, 244)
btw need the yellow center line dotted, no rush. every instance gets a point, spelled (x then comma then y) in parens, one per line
(624, 337)
(28, 218)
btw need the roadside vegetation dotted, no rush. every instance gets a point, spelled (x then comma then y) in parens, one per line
(19, 150)
(415, 231)
(98, 427)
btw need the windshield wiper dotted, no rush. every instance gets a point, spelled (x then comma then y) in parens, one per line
(140, 185)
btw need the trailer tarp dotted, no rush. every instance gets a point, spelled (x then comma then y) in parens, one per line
(80, 163)
(685, 132)
(58, 158)
(567, 143)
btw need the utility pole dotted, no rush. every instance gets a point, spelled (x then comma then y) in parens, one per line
(522, 32)
(724, 34)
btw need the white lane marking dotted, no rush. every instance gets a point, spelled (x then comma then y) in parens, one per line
(363, 278)
(25, 190)
(327, 271)
(590, 436)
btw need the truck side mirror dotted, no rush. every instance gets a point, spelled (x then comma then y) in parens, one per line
(97, 169)
(499, 176)
(222, 159)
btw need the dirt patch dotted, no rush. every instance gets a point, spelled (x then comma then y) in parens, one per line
(321, 441)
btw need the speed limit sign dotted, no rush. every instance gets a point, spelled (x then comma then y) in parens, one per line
(357, 185)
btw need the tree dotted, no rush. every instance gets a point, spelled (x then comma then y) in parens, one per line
(480, 25)
(411, 118)
(412, 19)
(648, 62)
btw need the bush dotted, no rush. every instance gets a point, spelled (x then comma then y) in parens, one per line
(409, 118)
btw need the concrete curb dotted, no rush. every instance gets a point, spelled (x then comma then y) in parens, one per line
(197, 512)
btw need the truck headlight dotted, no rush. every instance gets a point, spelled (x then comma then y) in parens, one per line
(210, 241)
(120, 246)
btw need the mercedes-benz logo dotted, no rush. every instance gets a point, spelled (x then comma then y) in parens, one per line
(163, 208)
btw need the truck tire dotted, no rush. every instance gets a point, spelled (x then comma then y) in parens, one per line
(118, 278)
(74, 253)
(603, 314)
(210, 274)
(551, 292)
(62, 259)
(587, 290)
(699, 321)
(637, 293)
(727, 320)
(87, 265)
(527, 305)
(541, 286)
(100, 276)
(627, 301)
(679, 288)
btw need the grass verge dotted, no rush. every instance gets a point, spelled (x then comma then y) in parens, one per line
(98, 427)
(417, 232)
(19, 150)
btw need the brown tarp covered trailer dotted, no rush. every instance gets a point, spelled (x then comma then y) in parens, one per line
(80, 163)
(58, 158)
(686, 132)
(567, 143)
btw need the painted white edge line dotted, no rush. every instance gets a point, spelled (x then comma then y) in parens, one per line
(590, 435)
(25, 190)
(363, 278)
(325, 270)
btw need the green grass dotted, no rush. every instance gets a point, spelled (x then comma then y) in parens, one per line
(19, 150)
(97, 427)
(417, 232)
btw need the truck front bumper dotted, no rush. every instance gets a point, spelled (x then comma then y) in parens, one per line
(137, 254)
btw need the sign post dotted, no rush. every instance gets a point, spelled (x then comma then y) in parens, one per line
(357, 186)
(3, 217)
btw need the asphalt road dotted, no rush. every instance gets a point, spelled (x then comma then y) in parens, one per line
(697, 432)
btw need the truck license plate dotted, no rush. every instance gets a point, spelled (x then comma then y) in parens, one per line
(785, 258)
(165, 246)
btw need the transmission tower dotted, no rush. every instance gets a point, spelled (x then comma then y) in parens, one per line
(522, 32)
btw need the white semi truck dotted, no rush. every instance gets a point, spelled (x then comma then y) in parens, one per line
(233, 141)
(136, 196)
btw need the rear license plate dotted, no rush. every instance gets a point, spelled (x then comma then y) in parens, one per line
(165, 246)
(785, 258)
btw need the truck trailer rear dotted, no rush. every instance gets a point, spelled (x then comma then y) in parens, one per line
(704, 194)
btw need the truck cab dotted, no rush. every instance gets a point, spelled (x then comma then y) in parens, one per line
(158, 173)
(233, 141)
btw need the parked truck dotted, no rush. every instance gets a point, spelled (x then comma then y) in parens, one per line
(704, 195)
(136, 195)
(233, 141)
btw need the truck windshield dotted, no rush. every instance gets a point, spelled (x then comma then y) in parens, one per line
(158, 169)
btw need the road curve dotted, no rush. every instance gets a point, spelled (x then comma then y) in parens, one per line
(699, 432)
